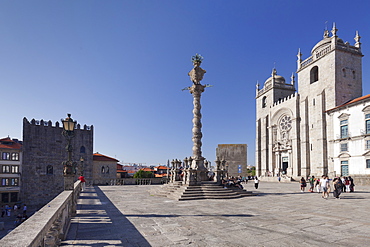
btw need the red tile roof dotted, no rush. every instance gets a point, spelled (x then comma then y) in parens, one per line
(162, 167)
(160, 175)
(147, 169)
(351, 102)
(119, 168)
(101, 157)
(9, 144)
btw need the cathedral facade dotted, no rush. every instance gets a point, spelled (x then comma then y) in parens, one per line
(293, 128)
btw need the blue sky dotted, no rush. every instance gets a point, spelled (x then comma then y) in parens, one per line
(121, 65)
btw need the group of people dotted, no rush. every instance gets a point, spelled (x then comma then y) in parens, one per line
(233, 182)
(21, 214)
(237, 182)
(7, 210)
(322, 185)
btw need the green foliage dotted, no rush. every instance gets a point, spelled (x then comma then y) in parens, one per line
(252, 171)
(143, 174)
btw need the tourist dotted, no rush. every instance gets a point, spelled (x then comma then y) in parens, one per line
(15, 209)
(343, 184)
(312, 183)
(337, 184)
(24, 208)
(256, 181)
(303, 184)
(7, 210)
(347, 184)
(83, 182)
(324, 184)
(351, 184)
(317, 185)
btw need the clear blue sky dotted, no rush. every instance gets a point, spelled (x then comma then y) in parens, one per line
(121, 65)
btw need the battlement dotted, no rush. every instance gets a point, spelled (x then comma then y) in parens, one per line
(57, 124)
(285, 99)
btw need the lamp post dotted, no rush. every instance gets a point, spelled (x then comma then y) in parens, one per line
(69, 167)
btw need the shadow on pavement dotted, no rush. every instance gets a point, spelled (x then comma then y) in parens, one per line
(192, 215)
(99, 223)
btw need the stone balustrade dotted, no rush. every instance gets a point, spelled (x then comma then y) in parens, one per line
(49, 225)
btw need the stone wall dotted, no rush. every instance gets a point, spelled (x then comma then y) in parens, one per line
(43, 153)
(235, 155)
(47, 226)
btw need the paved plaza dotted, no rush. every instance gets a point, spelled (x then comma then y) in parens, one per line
(279, 216)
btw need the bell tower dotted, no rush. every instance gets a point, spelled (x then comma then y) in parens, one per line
(330, 77)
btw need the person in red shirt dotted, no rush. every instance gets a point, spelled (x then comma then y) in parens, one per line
(83, 182)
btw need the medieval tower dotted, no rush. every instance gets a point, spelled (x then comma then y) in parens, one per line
(43, 154)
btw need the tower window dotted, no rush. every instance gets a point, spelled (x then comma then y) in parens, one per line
(314, 74)
(353, 74)
(82, 150)
(49, 170)
(344, 72)
(264, 102)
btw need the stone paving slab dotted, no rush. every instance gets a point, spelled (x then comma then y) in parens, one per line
(279, 216)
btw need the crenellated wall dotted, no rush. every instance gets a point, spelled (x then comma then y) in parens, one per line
(44, 150)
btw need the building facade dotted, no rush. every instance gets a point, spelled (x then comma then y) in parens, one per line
(350, 140)
(293, 128)
(44, 150)
(104, 169)
(11, 168)
(235, 156)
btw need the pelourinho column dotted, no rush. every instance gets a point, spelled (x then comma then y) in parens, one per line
(196, 75)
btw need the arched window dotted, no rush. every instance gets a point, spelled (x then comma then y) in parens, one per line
(107, 169)
(353, 74)
(314, 74)
(82, 150)
(344, 72)
(264, 102)
(49, 170)
(102, 169)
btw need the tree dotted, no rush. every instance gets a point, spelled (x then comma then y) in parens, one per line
(143, 174)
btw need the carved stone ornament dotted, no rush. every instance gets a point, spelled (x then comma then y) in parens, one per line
(196, 74)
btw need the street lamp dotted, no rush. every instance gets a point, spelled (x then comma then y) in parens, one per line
(69, 167)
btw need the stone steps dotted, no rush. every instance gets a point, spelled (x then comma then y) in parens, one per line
(208, 190)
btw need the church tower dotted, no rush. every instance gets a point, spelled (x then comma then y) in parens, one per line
(274, 91)
(330, 77)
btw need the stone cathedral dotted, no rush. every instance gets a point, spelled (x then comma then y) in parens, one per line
(292, 127)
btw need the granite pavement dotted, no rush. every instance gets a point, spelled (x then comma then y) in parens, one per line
(280, 215)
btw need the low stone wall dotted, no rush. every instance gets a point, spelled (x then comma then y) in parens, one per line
(130, 181)
(361, 179)
(49, 225)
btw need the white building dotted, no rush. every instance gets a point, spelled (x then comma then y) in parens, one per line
(295, 133)
(351, 137)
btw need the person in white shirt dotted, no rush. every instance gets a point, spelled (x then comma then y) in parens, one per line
(324, 184)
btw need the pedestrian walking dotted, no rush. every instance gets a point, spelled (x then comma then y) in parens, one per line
(256, 182)
(312, 183)
(351, 184)
(337, 184)
(83, 182)
(324, 183)
(303, 184)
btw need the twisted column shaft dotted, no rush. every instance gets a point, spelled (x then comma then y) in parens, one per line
(196, 90)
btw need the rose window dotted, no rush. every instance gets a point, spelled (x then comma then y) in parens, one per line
(286, 123)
